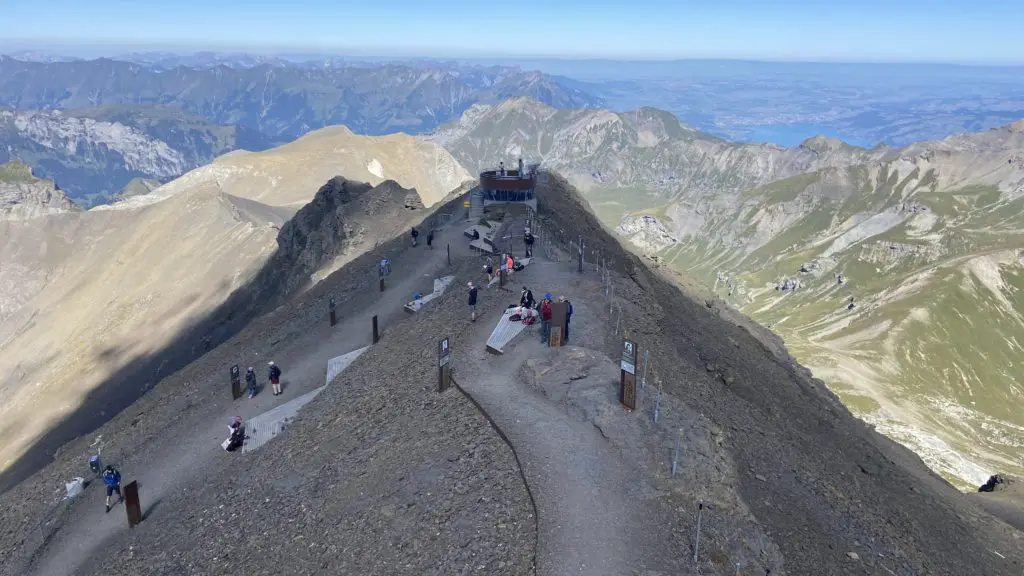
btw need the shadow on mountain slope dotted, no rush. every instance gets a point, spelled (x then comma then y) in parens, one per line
(345, 218)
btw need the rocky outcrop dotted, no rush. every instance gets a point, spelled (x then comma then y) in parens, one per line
(646, 232)
(23, 196)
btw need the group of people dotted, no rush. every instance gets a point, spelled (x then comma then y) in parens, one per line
(273, 375)
(416, 235)
(526, 300)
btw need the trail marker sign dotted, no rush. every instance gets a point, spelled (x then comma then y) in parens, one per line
(444, 368)
(558, 318)
(131, 503)
(627, 374)
(236, 384)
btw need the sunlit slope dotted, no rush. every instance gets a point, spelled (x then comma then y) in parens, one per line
(122, 281)
(931, 351)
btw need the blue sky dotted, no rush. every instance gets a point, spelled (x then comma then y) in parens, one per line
(982, 31)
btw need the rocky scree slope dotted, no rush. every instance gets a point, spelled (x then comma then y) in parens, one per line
(113, 286)
(379, 475)
(820, 482)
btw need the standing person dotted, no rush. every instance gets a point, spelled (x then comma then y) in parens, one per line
(250, 380)
(568, 316)
(489, 272)
(545, 319)
(274, 374)
(472, 302)
(415, 234)
(528, 242)
(112, 478)
(526, 299)
(510, 264)
(430, 238)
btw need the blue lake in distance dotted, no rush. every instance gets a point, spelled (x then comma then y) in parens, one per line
(789, 135)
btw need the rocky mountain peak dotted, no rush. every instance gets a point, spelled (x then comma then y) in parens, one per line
(1017, 127)
(823, 144)
(23, 196)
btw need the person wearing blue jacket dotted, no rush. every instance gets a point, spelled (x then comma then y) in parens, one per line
(112, 478)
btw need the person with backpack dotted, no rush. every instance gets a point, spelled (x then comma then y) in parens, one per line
(415, 234)
(472, 302)
(274, 374)
(568, 316)
(545, 319)
(112, 479)
(430, 238)
(250, 381)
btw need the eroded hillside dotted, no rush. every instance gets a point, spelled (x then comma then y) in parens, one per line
(114, 286)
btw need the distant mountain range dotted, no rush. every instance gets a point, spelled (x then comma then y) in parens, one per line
(926, 241)
(122, 120)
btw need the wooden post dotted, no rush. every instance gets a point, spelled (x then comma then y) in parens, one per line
(131, 504)
(376, 335)
(558, 317)
(330, 304)
(236, 384)
(444, 371)
(449, 253)
(627, 374)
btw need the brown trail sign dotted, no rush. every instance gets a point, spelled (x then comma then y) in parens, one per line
(627, 374)
(131, 504)
(558, 318)
(236, 384)
(444, 369)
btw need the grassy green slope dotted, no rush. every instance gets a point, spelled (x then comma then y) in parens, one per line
(932, 351)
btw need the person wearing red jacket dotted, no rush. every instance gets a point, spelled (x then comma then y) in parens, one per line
(545, 319)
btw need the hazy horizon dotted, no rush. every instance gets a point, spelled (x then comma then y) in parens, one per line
(869, 32)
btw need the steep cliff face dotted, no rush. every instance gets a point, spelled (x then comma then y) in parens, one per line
(341, 221)
(23, 196)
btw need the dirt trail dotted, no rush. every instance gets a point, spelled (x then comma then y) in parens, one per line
(591, 509)
(187, 453)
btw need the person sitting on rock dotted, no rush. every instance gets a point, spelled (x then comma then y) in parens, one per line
(526, 299)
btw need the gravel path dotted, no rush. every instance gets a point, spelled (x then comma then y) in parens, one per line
(596, 507)
(303, 364)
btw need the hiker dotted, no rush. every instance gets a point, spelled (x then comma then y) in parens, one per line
(568, 317)
(476, 235)
(415, 234)
(509, 265)
(385, 267)
(489, 272)
(528, 242)
(545, 319)
(472, 302)
(430, 238)
(274, 374)
(526, 300)
(112, 478)
(250, 380)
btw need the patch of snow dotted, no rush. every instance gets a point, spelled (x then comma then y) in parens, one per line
(376, 168)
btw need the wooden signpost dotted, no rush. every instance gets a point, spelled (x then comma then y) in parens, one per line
(444, 369)
(627, 374)
(376, 334)
(131, 503)
(558, 317)
(330, 305)
(236, 383)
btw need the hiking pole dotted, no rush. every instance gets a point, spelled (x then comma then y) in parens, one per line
(657, 403)
(696, 545)
(675, 456)
(643, 379)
